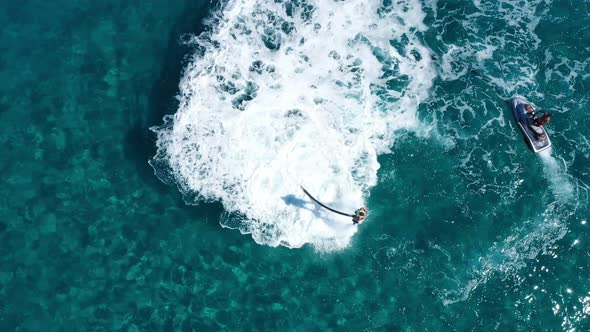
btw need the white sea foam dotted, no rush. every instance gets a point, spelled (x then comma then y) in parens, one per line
(281, 95)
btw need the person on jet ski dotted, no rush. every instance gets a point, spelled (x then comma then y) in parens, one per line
(538, 120)
(541, 118)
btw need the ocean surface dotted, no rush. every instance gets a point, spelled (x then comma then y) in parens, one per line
(152, 154)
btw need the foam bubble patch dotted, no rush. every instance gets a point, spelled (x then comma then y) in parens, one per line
(288, 94)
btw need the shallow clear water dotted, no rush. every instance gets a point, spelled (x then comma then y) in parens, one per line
(362, 102)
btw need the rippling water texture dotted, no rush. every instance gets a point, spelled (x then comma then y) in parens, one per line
(396, 105)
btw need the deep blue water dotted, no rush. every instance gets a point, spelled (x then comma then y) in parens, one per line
(468, 231)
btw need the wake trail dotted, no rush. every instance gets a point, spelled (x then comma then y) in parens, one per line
(528, 239)
(559, 181)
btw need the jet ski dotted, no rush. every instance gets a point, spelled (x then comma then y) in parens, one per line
(528, 121)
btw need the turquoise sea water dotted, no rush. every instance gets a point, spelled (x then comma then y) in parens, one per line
(468, 231)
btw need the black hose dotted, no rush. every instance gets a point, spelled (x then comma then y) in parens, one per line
(325, 206)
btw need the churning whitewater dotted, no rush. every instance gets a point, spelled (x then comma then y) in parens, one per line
(281, 95)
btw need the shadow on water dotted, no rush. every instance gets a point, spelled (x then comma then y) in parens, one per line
(302, 204)
(293, 200)
(140, 141)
